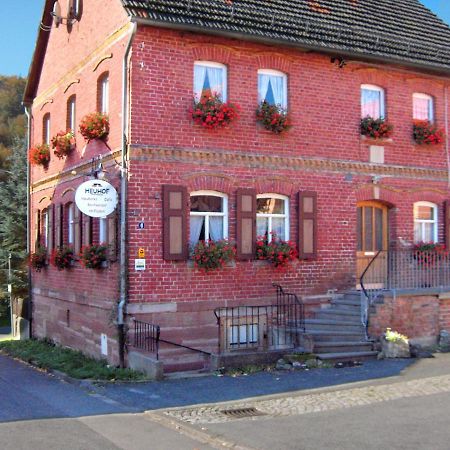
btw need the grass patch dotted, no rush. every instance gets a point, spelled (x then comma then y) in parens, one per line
(46, 355)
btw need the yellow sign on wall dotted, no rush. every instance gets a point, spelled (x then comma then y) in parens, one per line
(141, 253)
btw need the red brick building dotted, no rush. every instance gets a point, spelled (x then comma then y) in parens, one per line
(339, 195)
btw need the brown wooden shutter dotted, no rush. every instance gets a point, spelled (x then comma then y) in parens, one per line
(58, 225)
(87, 229)
(447, 223)
(245, 223)
(307, 221)
(111, 233)
(37, 229)
(50, 235)
(174, 222)
(76, 229)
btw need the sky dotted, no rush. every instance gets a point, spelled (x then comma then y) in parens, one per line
(19, 22)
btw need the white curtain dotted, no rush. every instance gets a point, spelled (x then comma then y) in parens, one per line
(216, 228)
(196, 224)
(263, 85)
(215, 75)
(370, 103)
(278, 227)
(199, 80)
(421, 108)
(262, 226)
(278, 90)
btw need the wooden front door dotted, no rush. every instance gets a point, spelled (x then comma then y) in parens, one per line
(372, 230)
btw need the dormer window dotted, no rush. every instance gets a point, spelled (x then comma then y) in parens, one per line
(272, 87)
(423, 107)
(372, 101)
(210, 78)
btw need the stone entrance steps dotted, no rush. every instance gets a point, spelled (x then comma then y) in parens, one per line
(337, 331)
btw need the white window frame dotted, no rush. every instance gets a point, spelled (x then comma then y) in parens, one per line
(373, 87)
(104, 94)
(46, 125)
(223, 214)
(424, 221)
(45, 223)
(285, 216)
(102, 230)
(71, 224)
(224, 94)
(430, 105)
(277, 73)
(72, 111)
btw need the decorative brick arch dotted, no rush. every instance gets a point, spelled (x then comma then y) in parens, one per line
(379, 193)
(275, 185)
(275, 61)
(428, 195)
(209, 52)
(209, 182)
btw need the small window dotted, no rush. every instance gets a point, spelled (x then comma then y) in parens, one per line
(46, 129)
(423, 107)
(425, 222)
(372, 101)
(208, 216)
(103, 93)
(71, 118)
(272, 216)
(102, 230)
(272, 87)
(71, 224)
(45, 227)
(210, 78)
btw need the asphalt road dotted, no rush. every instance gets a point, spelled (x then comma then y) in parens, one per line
(407, 410)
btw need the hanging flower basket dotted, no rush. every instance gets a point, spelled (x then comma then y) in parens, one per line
(39, 155)
(62, 258)
(93, 256)
(376, 128)
(278, 252)
(425, 133)
(94, 126)
(429, 253)
(213, 255)
(273, 117)
(38, 259)
(211, 113)
(63, 143)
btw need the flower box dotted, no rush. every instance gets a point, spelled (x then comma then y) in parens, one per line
(63, 258)
(38, 259)
(94, 256)
(211, 113)
(39, 155)
(94, 126)
(376, 128)
(212, 255)
(278, 252)
(63, 143)
(273, 118)
(425, 133)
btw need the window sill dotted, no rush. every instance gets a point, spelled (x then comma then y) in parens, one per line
(376, 141)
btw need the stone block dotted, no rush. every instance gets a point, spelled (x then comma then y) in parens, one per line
(144, 363)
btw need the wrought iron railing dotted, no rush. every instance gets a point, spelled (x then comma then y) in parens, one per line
(403, 270)
(267, 327)
(146, 337)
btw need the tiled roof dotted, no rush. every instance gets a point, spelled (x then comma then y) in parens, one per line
(396, 30)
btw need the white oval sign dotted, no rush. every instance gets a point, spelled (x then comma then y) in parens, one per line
(96, 198)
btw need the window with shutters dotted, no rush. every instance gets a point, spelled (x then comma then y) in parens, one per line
(272, 216)
(208, 216)
(425, 222)
(45, 227)
(210, 78)
(372, 101)
(423, 107)
(70, 223)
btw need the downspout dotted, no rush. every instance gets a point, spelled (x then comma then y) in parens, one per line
(123, 261)
(30, 290)
(446, 133)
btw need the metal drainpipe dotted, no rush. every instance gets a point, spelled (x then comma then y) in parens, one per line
(446, 133)
(30, 291)
(123, 209)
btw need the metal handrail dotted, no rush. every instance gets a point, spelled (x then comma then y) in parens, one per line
(361, 278)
